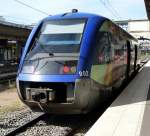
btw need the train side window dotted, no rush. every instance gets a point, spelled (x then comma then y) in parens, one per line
(103, 49)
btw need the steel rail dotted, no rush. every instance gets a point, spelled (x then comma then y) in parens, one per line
(24, 126)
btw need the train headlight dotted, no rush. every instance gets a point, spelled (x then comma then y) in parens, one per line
(73, 69)
(67, 69)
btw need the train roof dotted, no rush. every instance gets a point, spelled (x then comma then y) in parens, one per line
(74, 15)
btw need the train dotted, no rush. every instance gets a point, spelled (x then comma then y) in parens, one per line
(73, 61)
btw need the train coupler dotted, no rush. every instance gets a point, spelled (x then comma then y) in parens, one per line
(39, 95)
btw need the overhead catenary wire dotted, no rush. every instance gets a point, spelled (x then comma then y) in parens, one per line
(114, 9)
(110, 9)
(38, 10)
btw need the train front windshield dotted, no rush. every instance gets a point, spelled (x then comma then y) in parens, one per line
(56, 48)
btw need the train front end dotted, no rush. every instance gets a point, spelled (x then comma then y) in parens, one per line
(54, 71)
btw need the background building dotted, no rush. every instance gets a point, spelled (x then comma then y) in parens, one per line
(139, 29)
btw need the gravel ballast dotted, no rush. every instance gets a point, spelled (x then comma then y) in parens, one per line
(13, 120)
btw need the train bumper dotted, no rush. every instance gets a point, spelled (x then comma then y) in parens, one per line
(79, 99)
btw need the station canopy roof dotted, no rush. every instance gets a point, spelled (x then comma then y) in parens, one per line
(147, 5)
(11, 31)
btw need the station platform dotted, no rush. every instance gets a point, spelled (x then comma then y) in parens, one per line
(129, 114)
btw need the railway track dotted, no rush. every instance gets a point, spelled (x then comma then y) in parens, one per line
(25, 126)
(53, 125)
(61, 125)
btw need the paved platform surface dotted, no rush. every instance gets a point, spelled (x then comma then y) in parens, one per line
(129, 114)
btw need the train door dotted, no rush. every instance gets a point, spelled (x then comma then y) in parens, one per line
(138, 56)
(132, 57)
(128, 60)
(135, 60)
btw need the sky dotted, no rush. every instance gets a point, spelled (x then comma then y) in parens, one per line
(13, 11)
